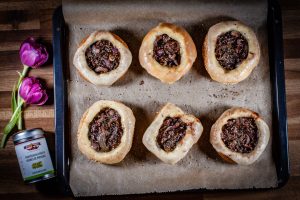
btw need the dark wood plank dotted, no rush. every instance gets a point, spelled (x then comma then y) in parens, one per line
(8, 78)
(29, 5)
(19, 20)
(294, 154)
(289, 48)
(289, 5)
(291, 24)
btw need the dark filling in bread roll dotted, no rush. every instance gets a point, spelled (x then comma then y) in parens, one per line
(170, 133)
(105, 130)
(240, 135)
(231, 49)
(166, 51)
(102, 57)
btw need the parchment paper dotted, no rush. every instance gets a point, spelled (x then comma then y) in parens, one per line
(195, 93)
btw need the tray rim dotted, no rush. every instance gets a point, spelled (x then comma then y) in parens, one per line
(279, 118)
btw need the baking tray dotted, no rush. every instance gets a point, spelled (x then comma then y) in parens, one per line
(279, 119)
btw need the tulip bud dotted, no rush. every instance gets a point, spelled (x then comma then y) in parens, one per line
(32, 91)
(32, 53)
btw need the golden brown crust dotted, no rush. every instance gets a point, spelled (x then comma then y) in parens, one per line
(191, 137)
(204, 53)
(239, 158)
(128, 122)
(244, 69)
(83, 41)
(187, 51)
(226, 158)
(108, 78)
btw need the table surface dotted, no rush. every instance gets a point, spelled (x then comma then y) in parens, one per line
(22, 18)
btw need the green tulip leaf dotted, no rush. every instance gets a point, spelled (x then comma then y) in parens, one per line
(13, 99)
(8, 128)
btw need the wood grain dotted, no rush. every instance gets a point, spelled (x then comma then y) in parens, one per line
(22, 18)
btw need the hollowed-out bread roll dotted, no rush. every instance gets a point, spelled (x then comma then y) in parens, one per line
(230, 52)
(106, 131)
(102, 58)
(167, 52)
(172, 134)
(240, 136)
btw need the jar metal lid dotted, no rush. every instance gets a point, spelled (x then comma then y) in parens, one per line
(27, 134)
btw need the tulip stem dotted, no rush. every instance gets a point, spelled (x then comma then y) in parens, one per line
(19, 99)
(11, 124)
(22, 75)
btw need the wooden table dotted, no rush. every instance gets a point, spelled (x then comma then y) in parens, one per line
(22, 18)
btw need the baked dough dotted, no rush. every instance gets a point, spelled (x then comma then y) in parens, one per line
(107, 78)
(243, 69)
(128, 122)
(188, 53)
(193, 133)
(233, 156)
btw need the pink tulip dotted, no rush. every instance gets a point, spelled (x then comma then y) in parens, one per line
(33, 54)
(32, 91)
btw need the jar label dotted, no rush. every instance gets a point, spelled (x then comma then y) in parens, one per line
(34, 159)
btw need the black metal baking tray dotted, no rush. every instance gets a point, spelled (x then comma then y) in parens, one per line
(280, 135)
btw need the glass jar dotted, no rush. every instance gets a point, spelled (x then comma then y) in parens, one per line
(33, 155)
